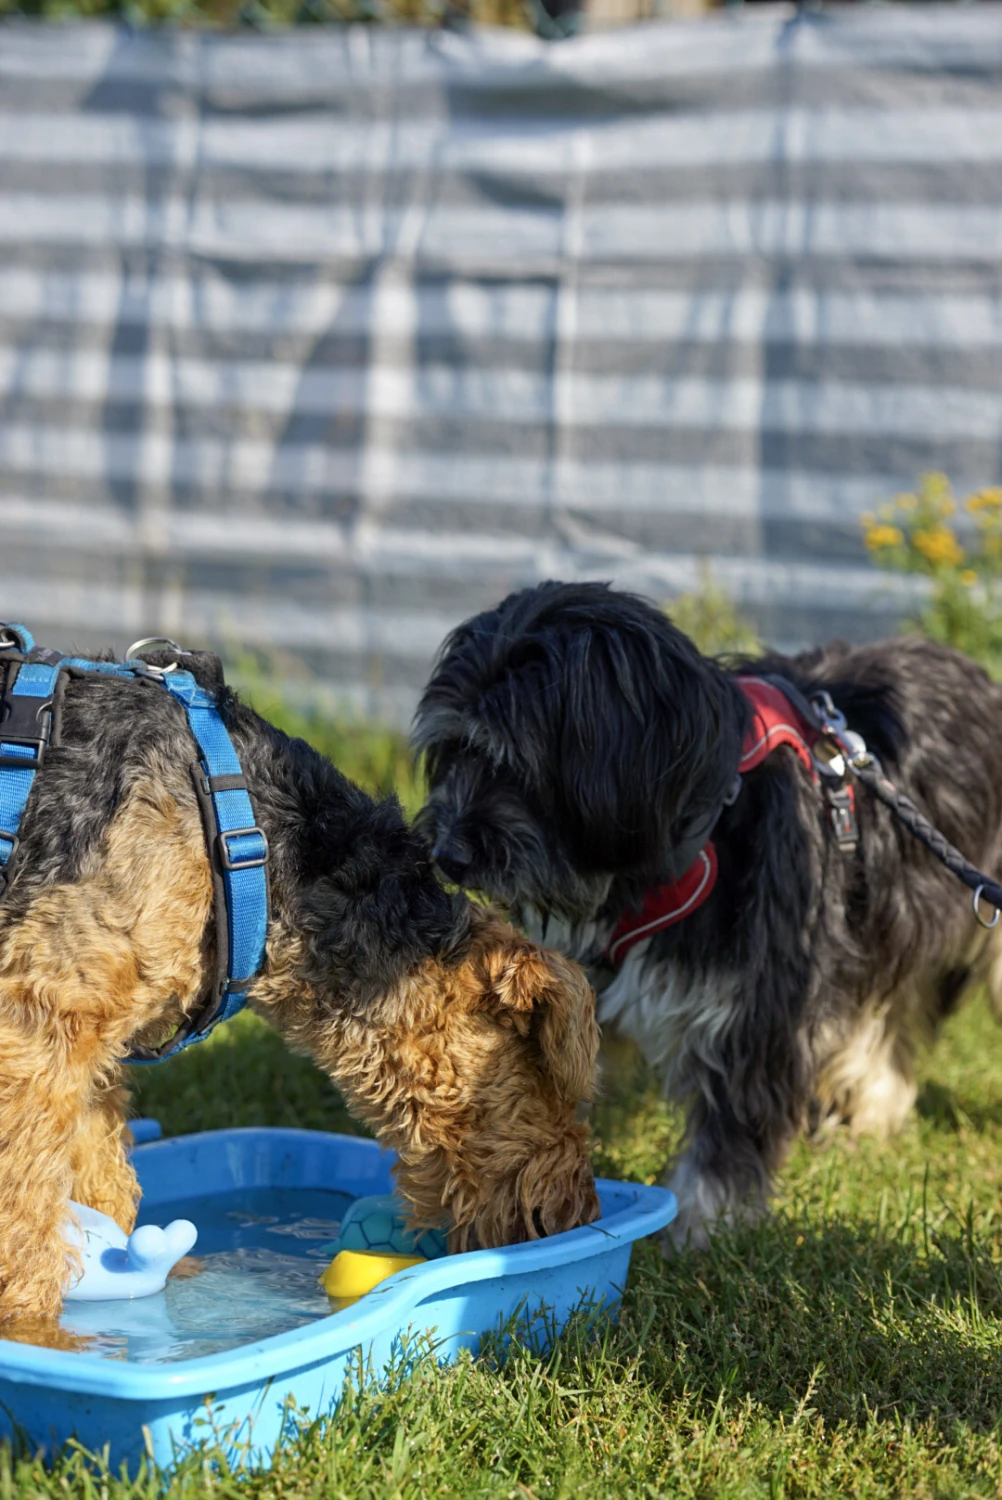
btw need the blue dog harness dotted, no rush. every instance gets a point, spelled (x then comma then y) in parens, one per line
(238, 848)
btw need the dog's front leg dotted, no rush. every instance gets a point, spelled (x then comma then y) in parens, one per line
(103, 1176)
(742, 1115)
(721, 1178)
(83, 969)
(43, 1100)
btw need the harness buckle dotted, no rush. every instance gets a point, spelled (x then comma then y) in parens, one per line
(229, 861)
(25, 722)
(6, 837)
(842, 809)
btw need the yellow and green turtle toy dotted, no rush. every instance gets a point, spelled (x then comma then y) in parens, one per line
(374, 1242)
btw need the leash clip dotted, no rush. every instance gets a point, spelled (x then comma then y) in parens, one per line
(833, 724)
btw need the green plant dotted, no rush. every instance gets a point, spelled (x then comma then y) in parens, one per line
(276, 15)
(375, 757)
(710, 619)
(958, 549)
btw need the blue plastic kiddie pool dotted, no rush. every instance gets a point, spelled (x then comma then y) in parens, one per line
(224, 1355)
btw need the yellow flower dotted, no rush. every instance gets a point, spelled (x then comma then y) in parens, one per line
(883, 536)
(935, 488)
(968, 578)
(907, 502)
(989, 499)
(938, 544)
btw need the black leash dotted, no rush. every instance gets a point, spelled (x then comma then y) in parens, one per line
(918, 824)
(820, 711)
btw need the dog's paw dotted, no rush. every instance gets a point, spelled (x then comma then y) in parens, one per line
(677, 1239)
(187, 1267)
(706, 1206)
(46, 1332)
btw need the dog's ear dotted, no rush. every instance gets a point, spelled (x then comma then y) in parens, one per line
(648, 744)
(549, 997)
(618, 735)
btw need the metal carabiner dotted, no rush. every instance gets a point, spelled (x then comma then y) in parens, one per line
(977, 913)
(833, 718)
(155, 640)
(850, 745)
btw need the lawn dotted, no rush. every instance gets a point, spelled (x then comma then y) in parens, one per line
(852, 1345)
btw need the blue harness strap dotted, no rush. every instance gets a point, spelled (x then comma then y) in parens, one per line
(25, 730)
(238, 848)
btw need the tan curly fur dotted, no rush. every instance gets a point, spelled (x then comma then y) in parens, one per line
(471, 1071)
(92, 964)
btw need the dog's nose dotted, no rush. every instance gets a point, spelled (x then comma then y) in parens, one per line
(453, 860)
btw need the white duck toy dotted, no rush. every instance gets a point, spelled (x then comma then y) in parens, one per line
(117, 1265)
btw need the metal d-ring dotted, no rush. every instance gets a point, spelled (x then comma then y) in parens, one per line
(980, 918)
(155, 640)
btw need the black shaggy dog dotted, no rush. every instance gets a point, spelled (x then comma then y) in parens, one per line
(581, 751)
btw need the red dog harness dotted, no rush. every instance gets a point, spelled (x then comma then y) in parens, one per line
(775, 722)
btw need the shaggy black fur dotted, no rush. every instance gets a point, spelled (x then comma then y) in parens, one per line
(574, 740)
(343, 868)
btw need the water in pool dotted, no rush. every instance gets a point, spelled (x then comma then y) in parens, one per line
(261, 1250)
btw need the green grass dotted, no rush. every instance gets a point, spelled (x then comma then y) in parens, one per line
(851, 1345)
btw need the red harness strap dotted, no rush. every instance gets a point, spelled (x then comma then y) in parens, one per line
(775, 722)
(664, 905)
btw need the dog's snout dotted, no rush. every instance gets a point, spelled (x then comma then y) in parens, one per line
(453, 859)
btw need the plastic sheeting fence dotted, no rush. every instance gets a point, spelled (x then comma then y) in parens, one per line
(318, 342)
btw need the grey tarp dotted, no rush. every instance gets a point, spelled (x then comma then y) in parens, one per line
(318, 342)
